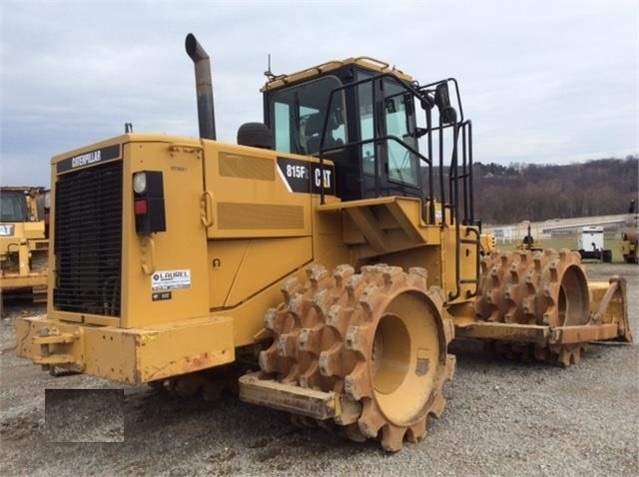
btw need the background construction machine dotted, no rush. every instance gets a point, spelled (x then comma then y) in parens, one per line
(320, 248)
(24, 244)
(630, 235)
(629, 242)
(529, 243)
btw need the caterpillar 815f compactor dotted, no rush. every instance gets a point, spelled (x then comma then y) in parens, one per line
(324, 246)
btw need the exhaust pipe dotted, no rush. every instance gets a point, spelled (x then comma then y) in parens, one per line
(203, 87)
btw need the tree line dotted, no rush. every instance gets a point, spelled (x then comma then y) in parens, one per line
(534, 192)
(508, 194)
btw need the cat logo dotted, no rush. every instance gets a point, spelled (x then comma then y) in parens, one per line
(6, 230)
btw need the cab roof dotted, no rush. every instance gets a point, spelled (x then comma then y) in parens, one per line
(364, 62)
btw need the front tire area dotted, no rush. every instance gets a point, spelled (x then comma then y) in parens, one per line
(378, 337)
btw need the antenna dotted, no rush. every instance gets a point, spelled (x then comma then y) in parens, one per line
(268, 73)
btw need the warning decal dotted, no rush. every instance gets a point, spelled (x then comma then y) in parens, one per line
(170, 280)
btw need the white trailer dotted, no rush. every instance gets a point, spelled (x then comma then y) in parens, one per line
(591, 244)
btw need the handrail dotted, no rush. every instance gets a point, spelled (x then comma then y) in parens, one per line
(457, 172)
(416, 92)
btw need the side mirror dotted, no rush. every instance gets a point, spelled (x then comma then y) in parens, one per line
(407, 99)
(390, 106)
(442, 100)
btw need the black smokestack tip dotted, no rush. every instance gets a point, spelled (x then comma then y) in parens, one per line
(194, 49)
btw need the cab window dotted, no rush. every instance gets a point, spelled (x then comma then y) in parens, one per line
(403, 165)
(366, 126)
(299, 113)
(13, 207)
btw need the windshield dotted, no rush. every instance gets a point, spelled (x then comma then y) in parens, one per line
(299, 114)
(13, 207)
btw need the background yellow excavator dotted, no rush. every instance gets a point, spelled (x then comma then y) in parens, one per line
(24, 243)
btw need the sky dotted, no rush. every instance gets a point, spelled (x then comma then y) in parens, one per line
(545, 82)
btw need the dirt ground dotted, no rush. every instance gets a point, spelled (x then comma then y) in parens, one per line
(501, 418)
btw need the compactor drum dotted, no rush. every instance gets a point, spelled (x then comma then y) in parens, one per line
(547, 289)
(378, 338)
(324, 252)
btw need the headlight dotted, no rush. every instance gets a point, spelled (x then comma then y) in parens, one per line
(139, 182)
(47, 200)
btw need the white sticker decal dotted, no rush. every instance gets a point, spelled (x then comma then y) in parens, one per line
(170, 280)
(6, 230)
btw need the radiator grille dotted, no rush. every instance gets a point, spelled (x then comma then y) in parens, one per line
(88, 240)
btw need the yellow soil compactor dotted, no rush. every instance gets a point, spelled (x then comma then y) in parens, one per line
(324, 247)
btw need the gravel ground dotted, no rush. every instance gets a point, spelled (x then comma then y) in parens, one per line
(501, 418)
(84, 415)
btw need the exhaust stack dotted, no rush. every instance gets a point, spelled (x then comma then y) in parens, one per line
(203, 87)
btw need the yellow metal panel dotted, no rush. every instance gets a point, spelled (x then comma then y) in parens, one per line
(225, 257)
(596, 290)
(448, 259)
(33, 230)
(86, 318)
(265, 262)
(182, 247)
(505, 331)
(428, 257)
(184, 348)
(311, 403)
(329, 248)
(248, 316)
(383, 227)
(468, 263)
(584, 333)
(51, 265)
(241, 206)
(123, 139)
(133, 355)
(244, 261)
(109, 353)
(389, 212)
(13, 281)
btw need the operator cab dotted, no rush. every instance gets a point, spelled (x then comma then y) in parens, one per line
(331, 110)
(362, 114)
(13, 206)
